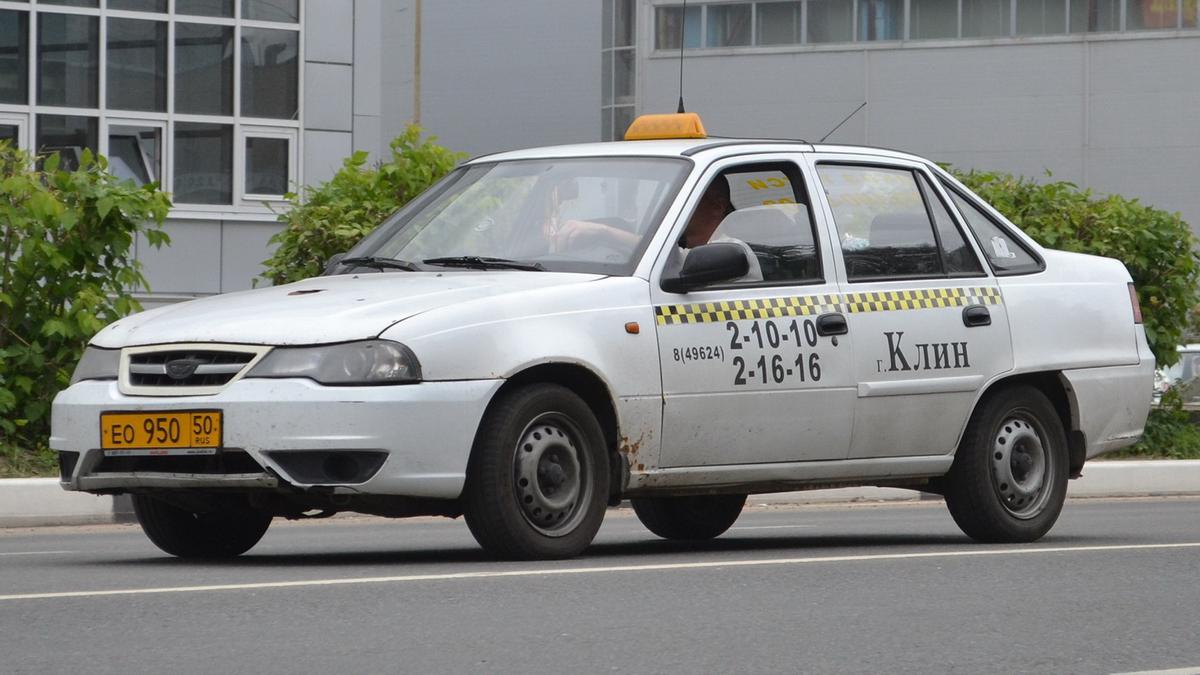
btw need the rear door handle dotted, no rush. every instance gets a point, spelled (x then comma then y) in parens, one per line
(976, 315)
(832, 324)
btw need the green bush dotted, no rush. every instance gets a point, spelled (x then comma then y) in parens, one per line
(1157, 247)
(335, 215)
(66, 270)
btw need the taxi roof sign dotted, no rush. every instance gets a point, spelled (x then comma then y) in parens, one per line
(672, 125)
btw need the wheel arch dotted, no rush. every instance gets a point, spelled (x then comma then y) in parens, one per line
(1056, 388)
(594, 391)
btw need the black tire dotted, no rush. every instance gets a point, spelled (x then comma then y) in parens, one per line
(1009, 477)
(689, 518)
(226, 530)
(537, 484)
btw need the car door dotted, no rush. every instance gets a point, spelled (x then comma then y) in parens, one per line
(927, 320)
(747, 375)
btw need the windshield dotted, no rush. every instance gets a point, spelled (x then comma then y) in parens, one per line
(591, 215)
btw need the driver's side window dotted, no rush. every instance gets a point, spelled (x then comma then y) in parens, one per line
(764, 208)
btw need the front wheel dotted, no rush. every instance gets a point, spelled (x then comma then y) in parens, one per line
(689, 518)
(537, 484)
(226, 528)
(1009, 477)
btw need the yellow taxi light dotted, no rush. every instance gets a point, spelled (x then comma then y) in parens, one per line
(673, 125)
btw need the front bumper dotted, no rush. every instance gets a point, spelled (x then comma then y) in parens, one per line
(426, 431)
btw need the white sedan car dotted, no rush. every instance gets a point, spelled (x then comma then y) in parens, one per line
(678, 321)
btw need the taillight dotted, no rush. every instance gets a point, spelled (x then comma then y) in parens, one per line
(1137, 306)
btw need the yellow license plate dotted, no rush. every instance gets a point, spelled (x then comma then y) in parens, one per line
(178, 432)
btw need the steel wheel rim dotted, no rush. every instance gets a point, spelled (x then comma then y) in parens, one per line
(552, 475)
(1021, 466)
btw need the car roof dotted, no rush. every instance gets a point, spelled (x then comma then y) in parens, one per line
(707, 148)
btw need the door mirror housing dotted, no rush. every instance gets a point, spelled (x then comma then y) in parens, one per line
(708, 264)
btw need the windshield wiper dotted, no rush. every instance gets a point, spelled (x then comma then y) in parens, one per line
(484, 263)
(379, 263)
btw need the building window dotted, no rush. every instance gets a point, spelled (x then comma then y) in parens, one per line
(14, 57)
(618, 68)
(203, 158)
(271, 10)
(933, 19)
(830, 21)
(174, 92)
(137, 64)
(880, 20)
(68, 60)
(1092, 16)
(222, 8)
(68, 135)
(723, 24)
(135, 150)
(12, 130)
(203, 69)
(778, 23)
(270, 72)
(269, 161)
(727, 25)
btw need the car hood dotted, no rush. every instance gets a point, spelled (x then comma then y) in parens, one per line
(320, 310)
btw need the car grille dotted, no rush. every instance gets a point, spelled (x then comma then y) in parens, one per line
(186, 369)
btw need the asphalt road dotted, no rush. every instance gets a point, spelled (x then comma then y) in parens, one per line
(884, 588)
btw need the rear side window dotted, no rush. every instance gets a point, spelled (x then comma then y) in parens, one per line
(1004, 252)
(883, 227)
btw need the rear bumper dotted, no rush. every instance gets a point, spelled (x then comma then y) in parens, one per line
(425, 432)
(1112, 403)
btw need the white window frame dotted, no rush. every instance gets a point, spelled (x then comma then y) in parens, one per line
(246, 132)
(21, 122)
(106, 123)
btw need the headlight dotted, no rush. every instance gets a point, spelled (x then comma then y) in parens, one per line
(97, 364)
(370, 362)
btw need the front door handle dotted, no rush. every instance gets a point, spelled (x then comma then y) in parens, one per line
(976, 315)
(832, 324)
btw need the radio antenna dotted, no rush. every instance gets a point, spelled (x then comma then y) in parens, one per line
(839, 125)
(682, 23)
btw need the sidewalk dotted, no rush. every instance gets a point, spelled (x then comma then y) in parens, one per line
(35, 502)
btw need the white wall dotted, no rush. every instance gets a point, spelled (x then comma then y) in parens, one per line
(1116, 114)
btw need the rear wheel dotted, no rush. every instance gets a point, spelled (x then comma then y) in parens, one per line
(1009, 477)
(228, 527)
(689, 518)
(537, 486)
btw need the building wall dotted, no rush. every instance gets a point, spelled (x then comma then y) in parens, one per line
(1116, 114)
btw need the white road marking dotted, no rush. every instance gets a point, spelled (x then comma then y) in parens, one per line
(1194, 670)
(769, 527)
(35, 552)
(558, 571)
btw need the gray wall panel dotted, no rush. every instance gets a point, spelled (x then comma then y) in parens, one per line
(243, 249)
(190, 264)
(396, 71)
(328, 97)
(323, 154)
(777, 95)
(329, 31)
(1117, 115)
(499, 75)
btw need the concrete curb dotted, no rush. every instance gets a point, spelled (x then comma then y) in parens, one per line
(36, 502)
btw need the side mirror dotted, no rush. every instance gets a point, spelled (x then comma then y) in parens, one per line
(708, 264)
(332, 265)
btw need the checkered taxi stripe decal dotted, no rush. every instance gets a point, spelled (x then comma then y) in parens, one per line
(808, 305)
